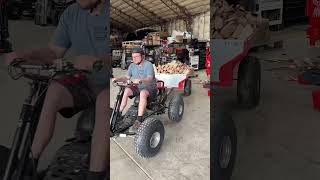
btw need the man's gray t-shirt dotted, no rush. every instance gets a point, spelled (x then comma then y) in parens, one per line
(141, 72)
(85, 34)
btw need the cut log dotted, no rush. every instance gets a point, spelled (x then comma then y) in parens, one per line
(218, 23)
(238, 31)
(246, 32)
(217, 35)
(213, 11)
(228, 30)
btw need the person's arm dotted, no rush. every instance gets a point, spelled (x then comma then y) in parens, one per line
(44, 55)
(125, 78)
(56, 49)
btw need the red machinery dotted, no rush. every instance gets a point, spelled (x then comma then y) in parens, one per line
(208, 66)
(313, 12)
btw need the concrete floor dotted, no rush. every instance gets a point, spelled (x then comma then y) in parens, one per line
(279, 139)
(185, 152)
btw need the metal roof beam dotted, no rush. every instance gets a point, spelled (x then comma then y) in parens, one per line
(128, 18)
(177, 9)
(145, 12)
(180, 11)
(121, 26)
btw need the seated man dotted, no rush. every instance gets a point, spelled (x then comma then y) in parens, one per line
(142, 73)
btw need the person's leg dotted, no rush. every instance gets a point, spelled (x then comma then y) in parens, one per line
(57, 97)
(100, 141)
(144, 94)
(127, 93)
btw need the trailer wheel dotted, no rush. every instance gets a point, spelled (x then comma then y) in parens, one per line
(224, 146)
(249, 82)
(176, 108)
(187, 87)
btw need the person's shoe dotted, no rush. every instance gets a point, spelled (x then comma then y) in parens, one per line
(134, 128)
(31, 164)
(120, 117)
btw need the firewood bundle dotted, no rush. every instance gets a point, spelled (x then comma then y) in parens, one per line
(228, 22)
(175, 67)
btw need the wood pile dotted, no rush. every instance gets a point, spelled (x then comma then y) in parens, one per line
(228, 22)
(174, 67)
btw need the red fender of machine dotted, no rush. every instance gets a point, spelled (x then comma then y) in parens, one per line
(313, 13)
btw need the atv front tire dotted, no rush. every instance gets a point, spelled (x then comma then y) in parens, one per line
(149, 138)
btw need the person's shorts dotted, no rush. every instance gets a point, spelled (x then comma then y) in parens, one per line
(152, 92)
(83, 95)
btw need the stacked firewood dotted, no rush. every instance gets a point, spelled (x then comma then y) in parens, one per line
(174, 67)
(229, 22)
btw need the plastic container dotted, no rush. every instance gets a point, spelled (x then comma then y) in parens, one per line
(171, 40)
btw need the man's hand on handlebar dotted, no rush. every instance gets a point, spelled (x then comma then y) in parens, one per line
(136, 81)
(113, 80)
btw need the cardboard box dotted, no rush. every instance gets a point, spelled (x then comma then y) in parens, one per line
(145, 41)
(149, 39)
(163, 35)
(179, 38)
(155, 38)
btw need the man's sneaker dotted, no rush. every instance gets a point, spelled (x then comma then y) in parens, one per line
(134, 128)
(120, 117)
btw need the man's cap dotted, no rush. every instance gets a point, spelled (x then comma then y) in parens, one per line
(138, 50)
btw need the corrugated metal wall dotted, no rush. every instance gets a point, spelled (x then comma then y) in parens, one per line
(200, 26)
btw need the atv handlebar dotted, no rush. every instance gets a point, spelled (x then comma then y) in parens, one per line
(124, 83)
(45, 71)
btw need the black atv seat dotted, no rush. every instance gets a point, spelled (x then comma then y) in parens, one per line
(150, 101)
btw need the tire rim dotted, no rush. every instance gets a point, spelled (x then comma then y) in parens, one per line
(180, 110)
(225, 152)
(155, 139)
